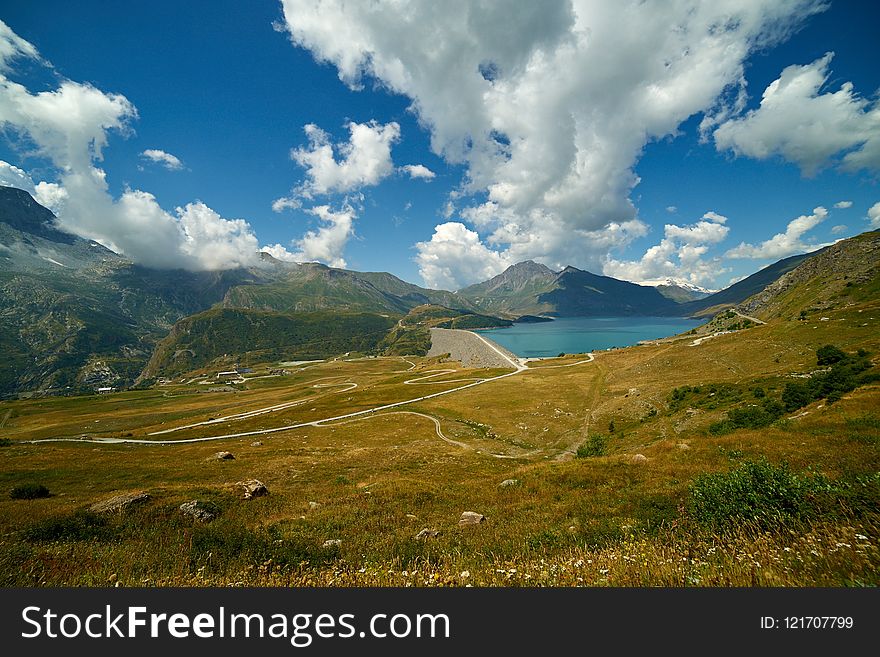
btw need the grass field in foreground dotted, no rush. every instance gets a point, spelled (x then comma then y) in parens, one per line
(378, 480)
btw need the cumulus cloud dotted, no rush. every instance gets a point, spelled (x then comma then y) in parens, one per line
(550, 105)
(279, 252)
(714, 216)
(455, 257)
(799, 122)
(286, 203)
(167, 160)
(874, 215)
(418, 171)
(680, 254)
(843, 205)
(70, 126)
(327, 243)
(784, 244)
(47, 194)
(364, 160)
(838, 229)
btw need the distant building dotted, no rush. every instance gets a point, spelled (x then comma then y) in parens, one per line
(244, 370)
(106, 390)
(228, 376)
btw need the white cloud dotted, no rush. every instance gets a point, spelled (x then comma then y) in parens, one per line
(327, 243)
(365, 159)
(70, 126)
(714, 216)
(49, 195)
(874, 215)
(680, 254)
(167, 160)
(799, 122)
(838, 229)
(418, 171)
(784, 244)
(286, 203)
(548, 105)
(279, 252)
(843, 205)
(455, 257)
(671, 209)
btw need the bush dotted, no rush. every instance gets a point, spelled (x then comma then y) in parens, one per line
(79, 526)
(748, 417)
(829, 354)
(754, 491)
(29, 492)
(767, 495)
(5, 442)
(595, 445)
(848, 372)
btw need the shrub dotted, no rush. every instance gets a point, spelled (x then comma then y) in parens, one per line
(29, 491)
(79, 526)
(754, 491)
(767, 495)
(595, 445)
(749, 417)
(829, 354)
(5, 442)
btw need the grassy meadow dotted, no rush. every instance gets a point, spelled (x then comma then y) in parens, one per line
(618, 478)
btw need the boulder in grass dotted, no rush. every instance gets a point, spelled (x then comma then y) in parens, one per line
(638, 459)
(222, 456)
(471, 518)
(120, 503)
(331, 543)
(426, 533)
(198, 510)
(507, 483)
(252, 488)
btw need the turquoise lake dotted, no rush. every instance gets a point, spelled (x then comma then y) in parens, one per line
(579, 334)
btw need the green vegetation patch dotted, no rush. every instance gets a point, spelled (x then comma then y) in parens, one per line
(595, 445)
(29, 491)
(765, 495)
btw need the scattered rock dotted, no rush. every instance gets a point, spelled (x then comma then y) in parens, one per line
(333, 542)
(201, 511)
(683, 446)
(222, 456)
(638, 459)
(507, 483)
(426, 533)
(257, 443)
(314, 506)
(411, 516)
(470, 518)
(120, 503)
(252, 488)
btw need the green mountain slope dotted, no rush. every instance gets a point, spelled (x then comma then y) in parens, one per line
(240, 335)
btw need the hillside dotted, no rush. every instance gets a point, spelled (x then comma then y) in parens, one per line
(242, 336)
(740, 291)
(74, 315)
(838, 276)
(528, 288)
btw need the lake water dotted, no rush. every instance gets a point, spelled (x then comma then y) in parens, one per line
(574, 335)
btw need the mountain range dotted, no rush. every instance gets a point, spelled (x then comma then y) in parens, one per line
(74, 315)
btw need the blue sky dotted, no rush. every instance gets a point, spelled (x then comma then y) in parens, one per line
(223, 87)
